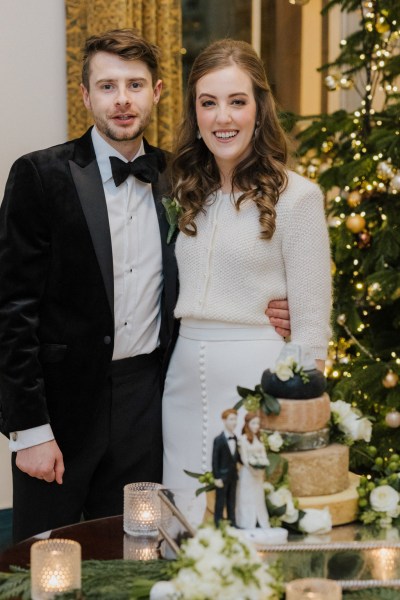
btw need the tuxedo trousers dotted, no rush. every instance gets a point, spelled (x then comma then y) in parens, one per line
(123, 445)
(210, 359)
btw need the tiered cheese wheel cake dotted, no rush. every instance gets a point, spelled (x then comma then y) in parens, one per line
(318, 470)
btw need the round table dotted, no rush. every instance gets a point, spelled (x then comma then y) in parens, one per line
(101, 539)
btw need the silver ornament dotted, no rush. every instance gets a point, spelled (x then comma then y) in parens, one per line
(331, 83)
(392, 419)
(384, 170)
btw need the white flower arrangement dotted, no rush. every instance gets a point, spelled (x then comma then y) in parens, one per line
(218, 563)
(350, 422)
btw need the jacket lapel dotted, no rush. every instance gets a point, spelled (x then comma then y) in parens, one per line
(86, 176)
(160, 189)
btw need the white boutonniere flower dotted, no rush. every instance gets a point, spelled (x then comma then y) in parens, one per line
(173, 211)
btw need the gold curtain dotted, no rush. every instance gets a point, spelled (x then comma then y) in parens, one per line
(159, 21)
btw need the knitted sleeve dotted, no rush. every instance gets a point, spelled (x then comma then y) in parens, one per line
(306, 254)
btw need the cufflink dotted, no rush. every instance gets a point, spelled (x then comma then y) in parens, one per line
(14, 436)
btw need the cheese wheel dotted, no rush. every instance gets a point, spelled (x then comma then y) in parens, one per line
(343, 506)
(318, 472)
(299, 415)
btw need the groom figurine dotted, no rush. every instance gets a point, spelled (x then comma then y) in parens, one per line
(225, 458)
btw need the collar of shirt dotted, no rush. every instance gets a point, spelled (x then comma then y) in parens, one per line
(104, 150)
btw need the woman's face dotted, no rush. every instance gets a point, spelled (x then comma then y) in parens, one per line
(254, 425)
(226, 115)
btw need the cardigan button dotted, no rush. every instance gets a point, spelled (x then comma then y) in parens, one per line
(107, 340)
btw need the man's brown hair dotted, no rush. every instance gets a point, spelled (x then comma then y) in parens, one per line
(227, 412)
(128, 44)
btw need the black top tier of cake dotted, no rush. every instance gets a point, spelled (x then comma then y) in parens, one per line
(310, 383)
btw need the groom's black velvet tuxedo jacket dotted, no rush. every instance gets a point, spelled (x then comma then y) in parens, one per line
(56, 290)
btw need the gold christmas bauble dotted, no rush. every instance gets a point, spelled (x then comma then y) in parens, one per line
(345, 82)
(390, 380)
(327, 146)
(354, 198)
(355, 223)
(382, 26)
(392, 419)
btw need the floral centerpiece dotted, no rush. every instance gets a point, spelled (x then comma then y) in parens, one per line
(219, 563)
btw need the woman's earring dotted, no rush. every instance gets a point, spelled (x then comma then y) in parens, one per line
(198, 134)
(257, 128)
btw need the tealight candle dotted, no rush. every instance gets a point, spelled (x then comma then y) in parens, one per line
(142, 509)
(313, 589)
(55, 568)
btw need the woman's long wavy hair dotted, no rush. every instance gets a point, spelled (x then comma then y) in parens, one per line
(246, 429)
(261, 176)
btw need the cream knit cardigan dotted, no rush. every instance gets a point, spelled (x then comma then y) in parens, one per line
(228, 273)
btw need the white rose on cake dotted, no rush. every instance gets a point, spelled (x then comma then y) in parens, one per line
(316, 521)
(351, 422)
(275, 441)
(283, 496)
(385, 499)
(285, 369)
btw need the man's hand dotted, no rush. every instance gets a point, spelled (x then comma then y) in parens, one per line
(44, 461)
(218, 483)
(278, 313)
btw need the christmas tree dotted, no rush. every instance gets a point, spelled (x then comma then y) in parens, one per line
(355, 157)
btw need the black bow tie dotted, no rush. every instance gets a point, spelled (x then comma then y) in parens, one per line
(231, 437)
(145, 167)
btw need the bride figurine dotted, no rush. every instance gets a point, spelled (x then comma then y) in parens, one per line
(250, 503)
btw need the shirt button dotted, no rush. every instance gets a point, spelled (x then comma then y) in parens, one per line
(107, 340)
(14, 436)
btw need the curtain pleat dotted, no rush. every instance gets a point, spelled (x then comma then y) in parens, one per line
(160, 22)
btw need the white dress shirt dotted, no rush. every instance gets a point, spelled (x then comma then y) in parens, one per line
(230, 438)
(137, 264)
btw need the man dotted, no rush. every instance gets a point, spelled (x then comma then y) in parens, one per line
(225, 458)
(88, 287)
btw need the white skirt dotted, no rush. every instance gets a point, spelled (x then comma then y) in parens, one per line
(209, 361)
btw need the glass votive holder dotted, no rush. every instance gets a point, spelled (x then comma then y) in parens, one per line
(313, 589)
(140, 548)
(55, 568)
(142, 508)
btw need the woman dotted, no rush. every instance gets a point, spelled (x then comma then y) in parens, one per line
(250, 501)
(251, 230)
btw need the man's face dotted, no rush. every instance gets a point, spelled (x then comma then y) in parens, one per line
(120, 97)
(231, 422)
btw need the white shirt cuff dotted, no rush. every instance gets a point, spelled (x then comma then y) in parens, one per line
(19, 440)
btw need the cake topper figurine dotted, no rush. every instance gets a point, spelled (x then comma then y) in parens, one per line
(225, 458)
